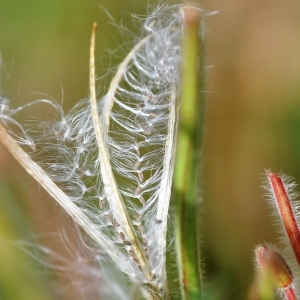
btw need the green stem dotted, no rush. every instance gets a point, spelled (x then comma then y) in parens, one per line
(186, 180)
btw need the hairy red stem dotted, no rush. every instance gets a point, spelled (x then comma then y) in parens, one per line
(286, 213)
(290, 294)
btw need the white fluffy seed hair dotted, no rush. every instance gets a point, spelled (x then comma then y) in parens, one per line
(116, 184)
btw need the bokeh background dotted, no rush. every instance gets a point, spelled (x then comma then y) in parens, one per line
(252, 123)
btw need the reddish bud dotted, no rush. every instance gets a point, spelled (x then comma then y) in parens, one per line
(271, 262)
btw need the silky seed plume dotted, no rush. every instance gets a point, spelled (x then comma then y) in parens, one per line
(109, 161)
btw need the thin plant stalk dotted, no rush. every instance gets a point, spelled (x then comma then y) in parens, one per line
(286, 213)
(290, 294)
(186, 180)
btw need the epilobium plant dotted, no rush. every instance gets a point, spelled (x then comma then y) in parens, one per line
(270, 261)
(109, 162)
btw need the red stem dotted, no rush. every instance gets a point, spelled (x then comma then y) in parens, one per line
(290, 294)
(286, 213)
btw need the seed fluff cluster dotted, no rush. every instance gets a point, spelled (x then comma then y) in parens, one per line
(110, 166)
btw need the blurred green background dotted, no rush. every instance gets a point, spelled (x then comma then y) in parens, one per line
(252, 122)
